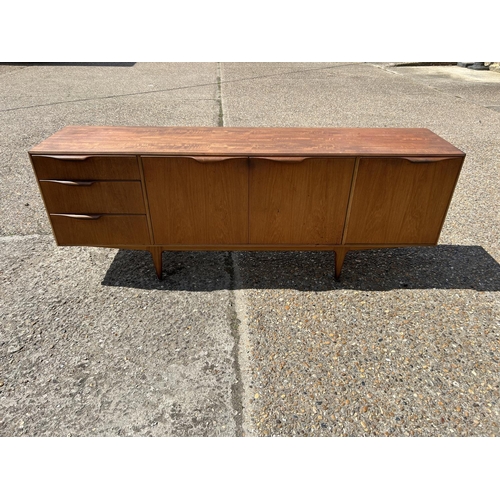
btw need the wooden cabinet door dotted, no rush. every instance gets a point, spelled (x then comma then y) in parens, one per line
(197, 200)
(300, 201)
(401, 200)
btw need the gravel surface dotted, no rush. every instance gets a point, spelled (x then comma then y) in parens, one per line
(371, 355)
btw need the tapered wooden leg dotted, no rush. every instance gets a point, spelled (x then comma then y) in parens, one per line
(339, 260)
(156, 254)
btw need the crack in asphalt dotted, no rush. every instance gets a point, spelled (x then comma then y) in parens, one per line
(173, 89)
(236, 322)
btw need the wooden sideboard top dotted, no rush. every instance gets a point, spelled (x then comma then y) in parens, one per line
(237, 141)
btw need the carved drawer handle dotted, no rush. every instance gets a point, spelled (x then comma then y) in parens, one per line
(79, 216)
(427, 159)
(70, 183)
(67, 157)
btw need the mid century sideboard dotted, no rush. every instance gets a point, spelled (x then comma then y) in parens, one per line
(185, 188)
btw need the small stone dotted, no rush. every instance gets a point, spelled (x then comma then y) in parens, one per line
(256, 395)
(15, 348)
(1, 383)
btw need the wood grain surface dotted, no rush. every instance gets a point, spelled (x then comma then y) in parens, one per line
(113, 230)
(192, 202)
(87, 168)
(224, 141)
(396, 201)
(298, 202)
(98, 197)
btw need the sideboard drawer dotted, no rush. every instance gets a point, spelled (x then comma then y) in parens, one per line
(79, 229)
(84, 167)
(106, 197)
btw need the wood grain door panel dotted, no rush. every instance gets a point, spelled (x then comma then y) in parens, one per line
(197, 200)
(401, 201)
(299, 201)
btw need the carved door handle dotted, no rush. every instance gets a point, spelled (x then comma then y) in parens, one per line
(67, 157)
(69, 183)
(427, 159)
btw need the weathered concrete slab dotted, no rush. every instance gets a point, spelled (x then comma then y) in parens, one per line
(480, 87)
(91, 344)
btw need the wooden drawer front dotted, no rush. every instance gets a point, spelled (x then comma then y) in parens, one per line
(401, 200)
(86, 167)
(105, 230)
(299, 201)
(99, 197)
(197, 200)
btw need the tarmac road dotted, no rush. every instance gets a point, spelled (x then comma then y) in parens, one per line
(250, 344)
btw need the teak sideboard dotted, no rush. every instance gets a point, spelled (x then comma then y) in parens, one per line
(186, 188)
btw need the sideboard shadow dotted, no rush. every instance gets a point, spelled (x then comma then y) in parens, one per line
(440, 267)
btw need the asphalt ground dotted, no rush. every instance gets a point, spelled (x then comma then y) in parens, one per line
(240, 343)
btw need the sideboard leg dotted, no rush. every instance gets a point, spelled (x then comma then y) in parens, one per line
(339, 260)
(156, 254)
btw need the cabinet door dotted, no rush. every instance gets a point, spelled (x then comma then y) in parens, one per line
(300, 201)
(197, 200)
(401, 200)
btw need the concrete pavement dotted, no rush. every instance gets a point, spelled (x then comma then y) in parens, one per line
(407, 343)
